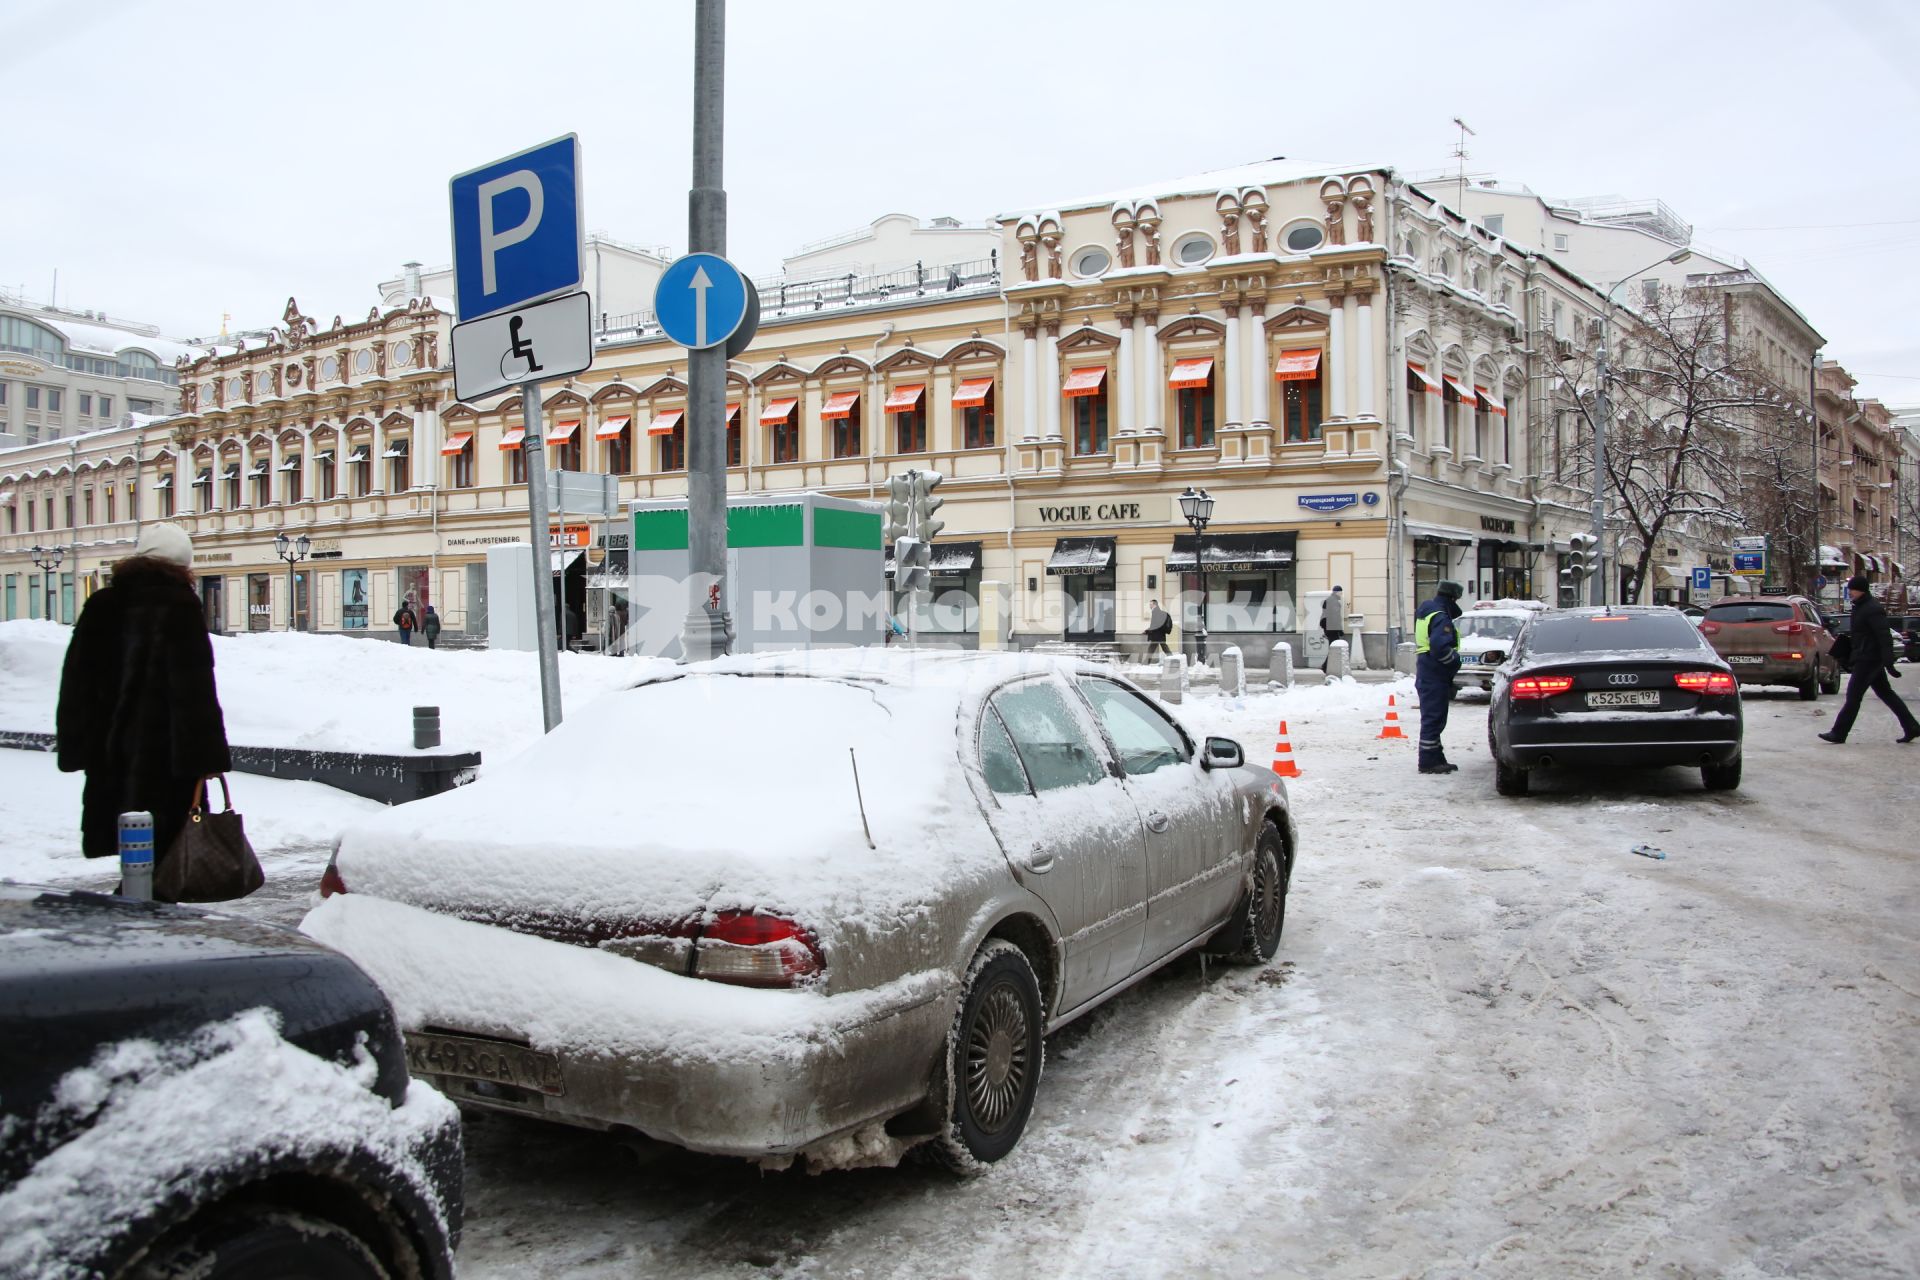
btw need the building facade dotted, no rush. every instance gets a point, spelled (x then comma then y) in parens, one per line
(1861, 454)
(65, 372)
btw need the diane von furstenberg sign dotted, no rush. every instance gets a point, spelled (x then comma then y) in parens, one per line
(1092, 513)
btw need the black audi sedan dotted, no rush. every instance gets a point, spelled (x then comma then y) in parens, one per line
(185, 1093)
(1606, 688)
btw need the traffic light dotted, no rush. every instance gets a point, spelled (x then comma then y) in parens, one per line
(924, 483)
(900, 495)
(1582, 559)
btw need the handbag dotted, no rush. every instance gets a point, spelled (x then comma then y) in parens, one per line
(210, 860)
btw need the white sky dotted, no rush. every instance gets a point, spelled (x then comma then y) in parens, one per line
(174, 161)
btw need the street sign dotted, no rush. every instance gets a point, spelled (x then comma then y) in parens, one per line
(583, 493)
(1756, 542)
(549, 339)
(1702, 579)
(517, 228)
(1751, 564)
(701, 300)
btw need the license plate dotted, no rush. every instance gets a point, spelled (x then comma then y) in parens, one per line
(1625, 698)
(488, 1060)
(1754, 658)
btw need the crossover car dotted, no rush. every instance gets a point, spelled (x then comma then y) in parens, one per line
(1774, 640)
(816, 906)
(1614, 688)
(184, 1093)
(1487, 636)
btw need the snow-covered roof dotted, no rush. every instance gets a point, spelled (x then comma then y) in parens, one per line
(104, 339)
(1263, 174)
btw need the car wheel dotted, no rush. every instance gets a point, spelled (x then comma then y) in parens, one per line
(1831, 684)
(1509, 779)
(994, 1057)
(267, 1242)
(1721, 777)
(1810, 690)
(1263, 909)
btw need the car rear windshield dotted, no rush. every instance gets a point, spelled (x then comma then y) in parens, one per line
(1742, 612)
(1606, 633)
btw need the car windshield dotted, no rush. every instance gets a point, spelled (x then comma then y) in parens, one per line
(1488, 627)
(1744, 612)
(1610, 632)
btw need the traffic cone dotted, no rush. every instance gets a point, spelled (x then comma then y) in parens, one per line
(1391, 729)
(1283, 755)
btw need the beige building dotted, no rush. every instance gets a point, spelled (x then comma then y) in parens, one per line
(1861, 452)
(64, 372)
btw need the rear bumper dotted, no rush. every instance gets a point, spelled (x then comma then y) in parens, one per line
(1600, 739)
(1773, 671)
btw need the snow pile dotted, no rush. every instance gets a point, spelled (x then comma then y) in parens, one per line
(164, 1117)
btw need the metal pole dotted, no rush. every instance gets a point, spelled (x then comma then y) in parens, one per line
(533, 447)
(1813, 405)
(708, 631)
(1603, 405)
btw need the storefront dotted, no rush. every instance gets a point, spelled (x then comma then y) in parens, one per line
(353, 600)
(1250, 585)
(1505, 570)
(1438, 554)
(1085, 567)
(953, 605)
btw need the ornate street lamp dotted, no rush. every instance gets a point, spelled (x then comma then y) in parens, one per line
(293, 551)
(47, 560)
(1197, 506)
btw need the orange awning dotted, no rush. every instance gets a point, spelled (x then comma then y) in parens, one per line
(1493, 406)
(1420, 371)
(455, 443)
(665, 421)
(904, 399)
(1191, 373)
(1085, 382)
(1299, 365)
(563, 431)
(973, 393)
(733, 415)
(778, 411)
(841, 404)
(613, 428)
(1460, 388)
(513, 437)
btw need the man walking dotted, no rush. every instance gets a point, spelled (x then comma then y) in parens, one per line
(1159, 627)
(1437, 645)
(1333, 619)
(406, 620)
(1872, 661)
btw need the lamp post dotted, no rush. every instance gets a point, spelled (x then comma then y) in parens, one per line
(1197, 506)
(47, 560)
(293, 551)
(1604, 403)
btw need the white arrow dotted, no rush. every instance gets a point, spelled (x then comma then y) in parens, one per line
(700, 286)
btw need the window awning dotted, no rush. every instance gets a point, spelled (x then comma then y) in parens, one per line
(260, 467)
(456, 443)
(1441, 533)
(973, 393)
(205, 477)
(1460, 388)
(398, 449)
(1191, 373)
(563, 560)
(905, 399)
(1486, 398)
(1426, 380)
(1299, 365)
(665, 421)
(733, 416)
(164, 482)
(613, 428)
(949, 559)
(561, 432)
(1085, 382)
(840, 404)
(1234, 552)
(1672, 575)
(1076, 556)
(1873, 562)
(511, 438)
(359, 454)
(231, 472)
(778, 411)
(325, 455)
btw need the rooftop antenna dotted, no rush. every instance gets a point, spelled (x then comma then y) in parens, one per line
(1460, 154)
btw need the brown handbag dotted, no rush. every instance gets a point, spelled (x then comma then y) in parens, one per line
(210, 860)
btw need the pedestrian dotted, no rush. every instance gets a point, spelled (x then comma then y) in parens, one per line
(1437, 645)
(430, 628)
(1159, 627)
(1871, 660)
(1333, 619)
(138, 712)
(404, 618)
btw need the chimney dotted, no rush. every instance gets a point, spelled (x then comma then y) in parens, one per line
(411, 274)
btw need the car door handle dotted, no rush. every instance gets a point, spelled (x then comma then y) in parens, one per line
(1038, 861)
(1158, 822)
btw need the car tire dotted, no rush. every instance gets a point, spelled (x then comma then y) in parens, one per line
(263, 1242)
(1810, 691)
(1831, 684)
(1721, 777)
(994, 1058)
(1509, 779)
(1262, 913)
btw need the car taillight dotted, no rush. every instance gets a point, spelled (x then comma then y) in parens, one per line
(1790, 628)
(330, 882)
(1709, 628)
(752, 950)
(1705, 681)
(1540, 686)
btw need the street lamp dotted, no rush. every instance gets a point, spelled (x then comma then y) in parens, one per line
(47, 560)
(1197, 506)
(293, 551)
(1599, 590)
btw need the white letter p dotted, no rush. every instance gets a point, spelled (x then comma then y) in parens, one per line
(490, 241)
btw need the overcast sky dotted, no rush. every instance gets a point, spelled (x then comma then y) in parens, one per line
(174, 161)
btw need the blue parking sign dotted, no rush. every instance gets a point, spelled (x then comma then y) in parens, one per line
(517, 228)
(1702, 579)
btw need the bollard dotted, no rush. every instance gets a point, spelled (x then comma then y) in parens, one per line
(1403, 659)
(1357, 646)
(1233, 673)
(426, 728)
(1280, 665)
(1173, 677)
(1337, 660)
(136, 855)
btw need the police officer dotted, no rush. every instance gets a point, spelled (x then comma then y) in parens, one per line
(1437, 643)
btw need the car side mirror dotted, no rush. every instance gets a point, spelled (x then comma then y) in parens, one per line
(1223, 753)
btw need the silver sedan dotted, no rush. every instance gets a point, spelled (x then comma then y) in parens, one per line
(809, 906)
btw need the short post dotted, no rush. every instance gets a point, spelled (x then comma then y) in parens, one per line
(1173, 677)
(1337, 660)
(1233, 673)
(426, 728)
(1280, 666)
(1403, 658)
(136, 855)
(1357, 646)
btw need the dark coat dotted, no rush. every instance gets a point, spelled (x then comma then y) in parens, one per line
(1443, 638)
(1159, 625)
(1872, 637)
(138, 711)
(405, 618)
(430, 624)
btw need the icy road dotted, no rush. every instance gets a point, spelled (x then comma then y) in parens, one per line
(1496, 1042)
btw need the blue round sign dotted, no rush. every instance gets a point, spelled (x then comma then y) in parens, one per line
(1371, 498)
(700, 300)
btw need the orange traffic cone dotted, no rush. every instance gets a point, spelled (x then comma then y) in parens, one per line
(1283, 755)
(1391, 729)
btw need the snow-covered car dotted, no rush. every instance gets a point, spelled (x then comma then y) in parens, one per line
(1487, 636)
(184, 1093)
(822, 906)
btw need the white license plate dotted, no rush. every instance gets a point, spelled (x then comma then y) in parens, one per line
(1624, 698)
(489, 1060)
(1754, 658)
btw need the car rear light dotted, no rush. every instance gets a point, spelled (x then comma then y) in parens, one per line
(1795, 657)
(330, 882)
(752, 950)
(1790, 628)
(1710, 628)
(1705, 681)
(1540, 686)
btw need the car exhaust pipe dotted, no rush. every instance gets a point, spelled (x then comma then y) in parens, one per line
(1546, 762)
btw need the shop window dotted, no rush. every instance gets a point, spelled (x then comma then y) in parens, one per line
(1431, 561)
(842, 412)
(974, 400)
(1301, 409)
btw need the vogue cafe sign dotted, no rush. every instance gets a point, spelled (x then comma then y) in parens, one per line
(1093, 513)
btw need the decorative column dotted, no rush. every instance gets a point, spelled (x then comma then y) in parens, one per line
(276, 490)
(1150, 391)
(375, 447)
(1050, 369)
(1127, 377)
(1262, 377)
(1233, 372)
(1366, 376)
(1337, 360)
(1030, 392)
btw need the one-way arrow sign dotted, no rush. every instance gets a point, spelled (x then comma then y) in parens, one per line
(700, 300)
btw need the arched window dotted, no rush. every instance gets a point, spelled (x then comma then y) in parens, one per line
(23, 335)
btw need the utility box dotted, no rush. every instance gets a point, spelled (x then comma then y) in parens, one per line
(804, 571)
(510, 620)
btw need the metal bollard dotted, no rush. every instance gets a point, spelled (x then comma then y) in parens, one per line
(136, 855)
(1173, 677)
(1337, 660)
(1280, 666)
(426, 727)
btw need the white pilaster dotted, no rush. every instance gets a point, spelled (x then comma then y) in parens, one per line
(1260, 377)
(1151, 395)
(1050, 372)
(1030, 391)
(375, 447)
(1233, 372)
(1129, 379)
(1337, 362)
(1365, 375)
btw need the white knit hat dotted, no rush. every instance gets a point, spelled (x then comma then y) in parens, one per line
(166, 542)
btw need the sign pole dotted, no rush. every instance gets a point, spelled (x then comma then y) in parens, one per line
(533, 448)
(708, 632)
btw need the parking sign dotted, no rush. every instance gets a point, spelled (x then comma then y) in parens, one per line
(517, 228)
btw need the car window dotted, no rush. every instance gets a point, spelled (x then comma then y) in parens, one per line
(1742, 612)
(1047, 736)
(1487, 627)
(998, 760)
(1606, 633)
(1145, 739)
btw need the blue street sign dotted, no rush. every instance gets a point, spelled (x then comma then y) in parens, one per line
(1750, 562)
(1703, 579)
(700, 300)
(517, 228)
